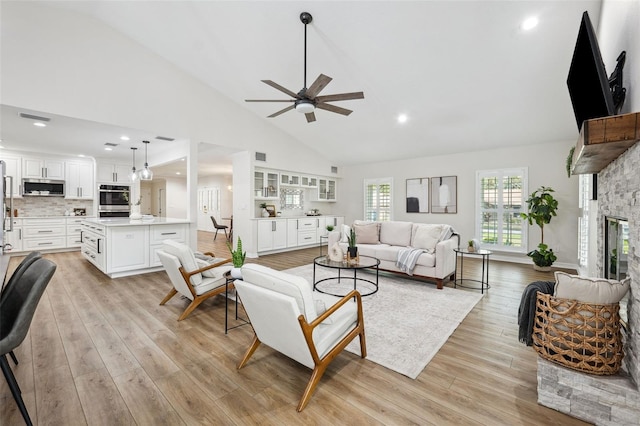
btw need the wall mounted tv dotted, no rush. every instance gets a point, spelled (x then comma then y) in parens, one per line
(588, 83)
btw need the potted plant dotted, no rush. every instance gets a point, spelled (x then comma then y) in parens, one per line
(265, 212)
(237, 257)
(471, 248)
(352, 248)
(542, 207)
(329, 228)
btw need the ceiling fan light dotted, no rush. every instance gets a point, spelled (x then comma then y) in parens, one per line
(305, 106)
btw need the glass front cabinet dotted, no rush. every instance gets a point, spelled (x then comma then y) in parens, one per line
(327, 190)
(266, 185)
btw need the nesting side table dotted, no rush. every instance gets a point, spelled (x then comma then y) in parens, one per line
(484, 277)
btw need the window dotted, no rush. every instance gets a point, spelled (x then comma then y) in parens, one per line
(377, 199)
(500, 198)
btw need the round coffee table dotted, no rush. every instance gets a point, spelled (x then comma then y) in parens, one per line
(365, 262)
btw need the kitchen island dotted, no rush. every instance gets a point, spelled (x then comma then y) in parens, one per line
(122, 247)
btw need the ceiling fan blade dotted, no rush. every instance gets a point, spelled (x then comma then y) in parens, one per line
(269, 100)
(333, 108)
(340, 97)
(280, 88)
(275, 114)
(317, 86)
(311, 117)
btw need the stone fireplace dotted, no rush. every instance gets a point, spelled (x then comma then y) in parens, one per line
(608, 400)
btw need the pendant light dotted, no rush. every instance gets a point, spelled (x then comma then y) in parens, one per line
(133, 176)
(146, 173)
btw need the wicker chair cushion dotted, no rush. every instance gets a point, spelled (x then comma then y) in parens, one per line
(590, 290)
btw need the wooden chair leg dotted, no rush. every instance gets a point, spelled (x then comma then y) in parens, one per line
(169, 295)
(250, 351)
(194, 304)
(316, 375)
(363, 345)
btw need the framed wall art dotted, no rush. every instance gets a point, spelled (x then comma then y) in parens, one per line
(418, 195)
(444, 194)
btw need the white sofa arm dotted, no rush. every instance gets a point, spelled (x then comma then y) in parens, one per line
(446, 257)
(334, 237)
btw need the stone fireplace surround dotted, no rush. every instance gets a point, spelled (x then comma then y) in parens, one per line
(607, 400)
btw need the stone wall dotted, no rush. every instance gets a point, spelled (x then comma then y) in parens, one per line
(607, 400)
(619, 195)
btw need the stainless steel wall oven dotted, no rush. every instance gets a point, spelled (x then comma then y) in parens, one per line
(114, 200)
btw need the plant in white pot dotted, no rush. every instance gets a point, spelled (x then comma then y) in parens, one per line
(542, 207)
(237, 257)
(265, 212)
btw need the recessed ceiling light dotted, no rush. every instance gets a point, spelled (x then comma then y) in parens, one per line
(81, 155)
(39, 124)
(530, 23)
(402, 118)
(108, 148)
(178, 173)
(124, 138)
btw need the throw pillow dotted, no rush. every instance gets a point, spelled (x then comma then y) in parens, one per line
(367, 234)
(426, 237)
(213, 272)
(599, 291)
(396, 233)
(346, 230)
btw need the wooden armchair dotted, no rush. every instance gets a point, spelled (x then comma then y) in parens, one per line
(309, 327)
(195, 279)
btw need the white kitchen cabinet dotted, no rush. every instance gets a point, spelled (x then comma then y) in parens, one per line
(74, 231)
(14, 170)
(121, 247)
(127, 248)
(43, 233)
(39, 168)
(272, 234)
(288, 179)
(292, 232)
(79, 180)
(93, 244)
(266, 185)
(13, 236)
(113, 173)
(327, 190)
(309, 181)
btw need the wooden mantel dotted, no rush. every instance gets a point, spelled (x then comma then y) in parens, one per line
(602, 140)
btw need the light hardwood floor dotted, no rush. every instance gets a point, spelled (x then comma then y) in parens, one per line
(102, 351)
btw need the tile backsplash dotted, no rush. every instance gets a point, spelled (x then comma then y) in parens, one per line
(49, 206)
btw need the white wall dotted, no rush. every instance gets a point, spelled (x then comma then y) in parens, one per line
(177, 198)
(546, 166)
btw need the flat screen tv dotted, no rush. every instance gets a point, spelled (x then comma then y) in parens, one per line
(588, 83)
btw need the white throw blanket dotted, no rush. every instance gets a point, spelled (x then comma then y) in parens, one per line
(407, 259)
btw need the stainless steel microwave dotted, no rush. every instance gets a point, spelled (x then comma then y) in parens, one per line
(42, 188)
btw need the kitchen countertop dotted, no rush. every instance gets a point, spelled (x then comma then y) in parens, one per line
(303, 216)
(112, 222)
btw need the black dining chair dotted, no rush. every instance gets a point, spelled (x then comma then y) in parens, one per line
(16, 313)
(22, 267)
(218, 227)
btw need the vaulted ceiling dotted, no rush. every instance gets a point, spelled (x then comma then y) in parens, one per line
(465, 73)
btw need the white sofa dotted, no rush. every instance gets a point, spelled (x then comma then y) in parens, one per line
(384, 240)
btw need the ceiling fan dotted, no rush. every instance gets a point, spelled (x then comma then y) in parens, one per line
(307, 99)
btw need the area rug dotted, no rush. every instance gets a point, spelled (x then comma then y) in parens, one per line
(406, 321)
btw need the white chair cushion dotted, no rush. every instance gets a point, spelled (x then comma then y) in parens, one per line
(297, 287)
(590, 290)
(396, 233)
(209, 284)
(328, 334)
(186, 257)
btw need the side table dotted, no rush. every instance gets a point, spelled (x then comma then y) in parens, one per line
(484, 278)
(229, 282)
(322, 239)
